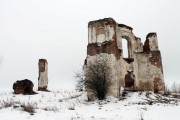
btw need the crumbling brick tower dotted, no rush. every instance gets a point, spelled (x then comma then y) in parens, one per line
(141, 70)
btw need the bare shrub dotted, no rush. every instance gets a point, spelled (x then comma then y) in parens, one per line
(80, 86)
(96, 78)
(15, 104)
(174, 87)
(28, 108)
(167, 90)
(6, 103)
(71, 107)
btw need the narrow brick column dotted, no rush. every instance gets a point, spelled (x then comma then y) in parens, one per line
(43, 75)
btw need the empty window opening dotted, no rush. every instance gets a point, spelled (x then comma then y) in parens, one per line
(125, 48)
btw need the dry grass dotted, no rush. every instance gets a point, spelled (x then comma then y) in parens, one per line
(54, 109)
(7, 103)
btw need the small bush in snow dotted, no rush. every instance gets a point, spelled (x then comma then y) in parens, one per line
(96, 79)
(28, 108)
(71, 107)
(7, 103)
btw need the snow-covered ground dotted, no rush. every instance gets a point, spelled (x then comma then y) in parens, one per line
(72, 105)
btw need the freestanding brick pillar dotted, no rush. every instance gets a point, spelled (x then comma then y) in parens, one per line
(43, 75)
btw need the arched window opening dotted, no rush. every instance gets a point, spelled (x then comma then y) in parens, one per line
(125, 48)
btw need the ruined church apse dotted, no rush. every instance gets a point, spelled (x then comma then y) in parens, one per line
(142, 66)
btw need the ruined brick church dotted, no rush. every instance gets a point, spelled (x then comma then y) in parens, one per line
(140, 70)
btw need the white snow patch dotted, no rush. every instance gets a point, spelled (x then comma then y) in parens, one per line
(73, 105)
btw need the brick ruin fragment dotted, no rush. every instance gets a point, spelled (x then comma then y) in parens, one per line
(23, 87)
(143, 64)
(43, 75)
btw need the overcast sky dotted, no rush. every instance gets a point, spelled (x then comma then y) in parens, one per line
(57, 31)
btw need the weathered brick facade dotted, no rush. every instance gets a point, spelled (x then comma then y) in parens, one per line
(143, 62)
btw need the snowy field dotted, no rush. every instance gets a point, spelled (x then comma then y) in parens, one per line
(72, 105)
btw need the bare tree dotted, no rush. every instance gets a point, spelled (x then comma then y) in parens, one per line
(80, 79)
(167, 90)
(96, 78)
(174, 87)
